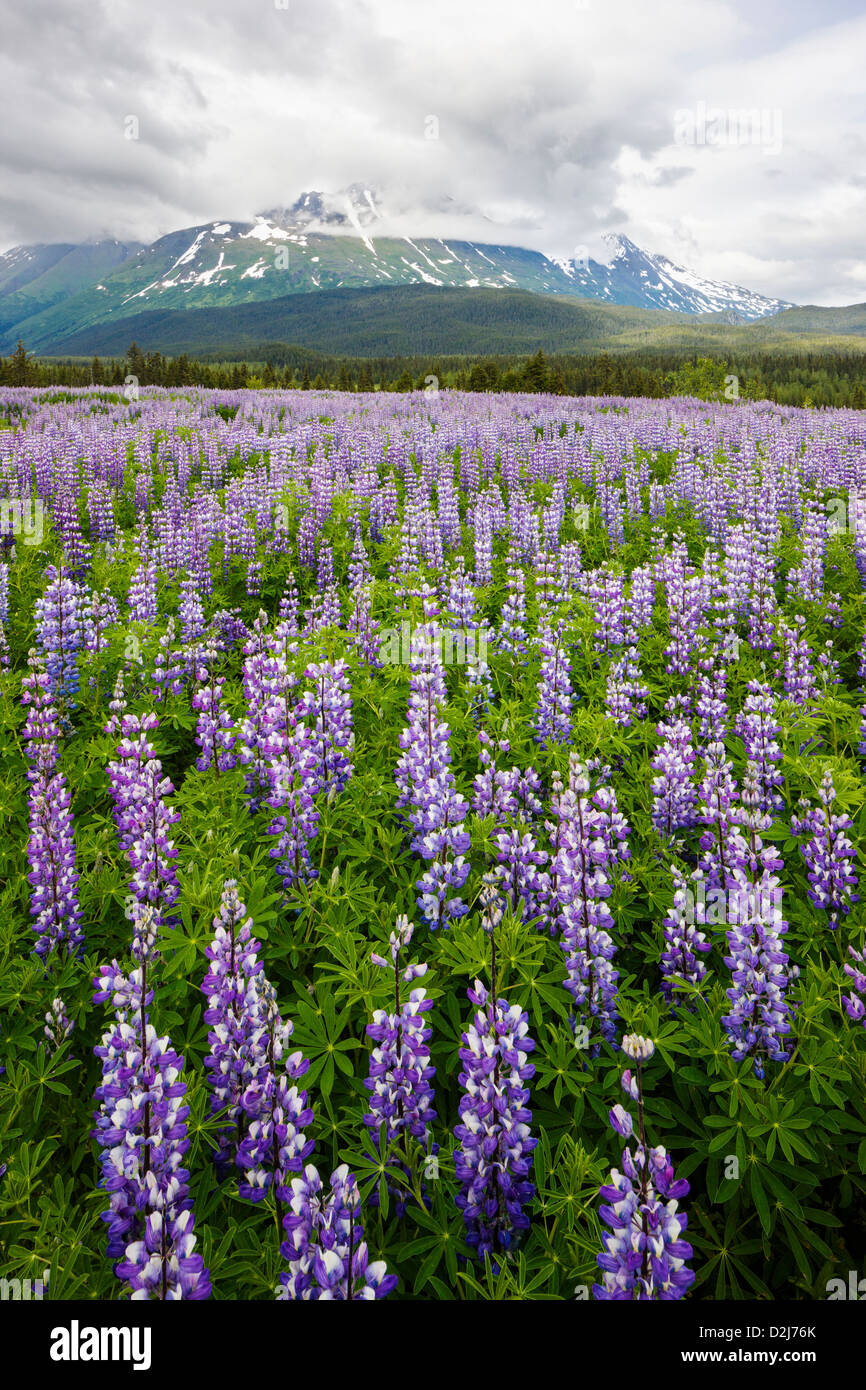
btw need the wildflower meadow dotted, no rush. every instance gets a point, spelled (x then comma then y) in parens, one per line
(430, 860)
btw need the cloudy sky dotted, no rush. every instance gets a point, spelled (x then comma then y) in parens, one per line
(729, 136)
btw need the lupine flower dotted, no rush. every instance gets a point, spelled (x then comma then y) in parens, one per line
(758, 729)
(294, 786)
(494, 1157)
(553, 710)
(854, 1007)
(190, 611)
(275, 1145)
(143, 816)
(683, 937)
(626, 692)
(511, 635)
(493, 1161)
(760, 1017)
(401, 1096)
(829, 854)
(142, 598)
(58, 1025)
(327, 712)
(141, 1129)
(260, 677)
(589, 836)
(53, 876)
(518, 873)
(673, 789)
(606, 593)
(800, 687)
(170, 667)
(213, 733)
(718, 812)
(59, 633)
(234, 1022)
(437, 811)
(644, 1257)
(325, 1250)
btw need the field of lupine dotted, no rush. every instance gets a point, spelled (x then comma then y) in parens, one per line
(430, 847)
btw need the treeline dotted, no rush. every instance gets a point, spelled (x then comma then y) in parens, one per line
(825, 378)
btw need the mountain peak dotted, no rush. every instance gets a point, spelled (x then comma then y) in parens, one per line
(329, 241)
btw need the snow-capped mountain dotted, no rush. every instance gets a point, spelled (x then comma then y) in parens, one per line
(633, 276)
(326, 241)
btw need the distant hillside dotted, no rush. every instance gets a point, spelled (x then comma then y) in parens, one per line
(418, 320)
(378, 322)
(813, 319)
(34, 280)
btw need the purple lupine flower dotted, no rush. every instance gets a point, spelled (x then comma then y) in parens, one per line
(511, 634)
(190, 611)
(53, 876)
(327, 712)
(213, 733)
(99, 613)
(760, 1016)
(711, 703)
(58, 1025)
(170, 666)
(685, 595)
(854, 1007)
(363, 627)
(325, 1251)
(717, 810)
(518, 873)
(141, 1129)
(262, 676)
(59, 633)
(493, 793)
(401, 1096)
(627, 694)
(639, 605)
(763, 609)
(275, 1145)
(233, 1020)
(673, 789)
(644, 1256)
(143, 817)
(117, 706)
(142, 598)
(806, 580)
(295, 784)
(758, 729)
(589, 836)
(437, 811)
(494, 1157)
(605, 591)
(555, 700)
(683, 937)
(829, 854)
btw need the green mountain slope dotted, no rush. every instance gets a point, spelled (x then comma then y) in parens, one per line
(378, 322)
(36, 279)
(420, 319)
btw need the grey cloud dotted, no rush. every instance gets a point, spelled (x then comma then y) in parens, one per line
(555, 123)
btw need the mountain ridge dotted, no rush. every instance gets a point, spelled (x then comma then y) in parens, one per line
(325, 242)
